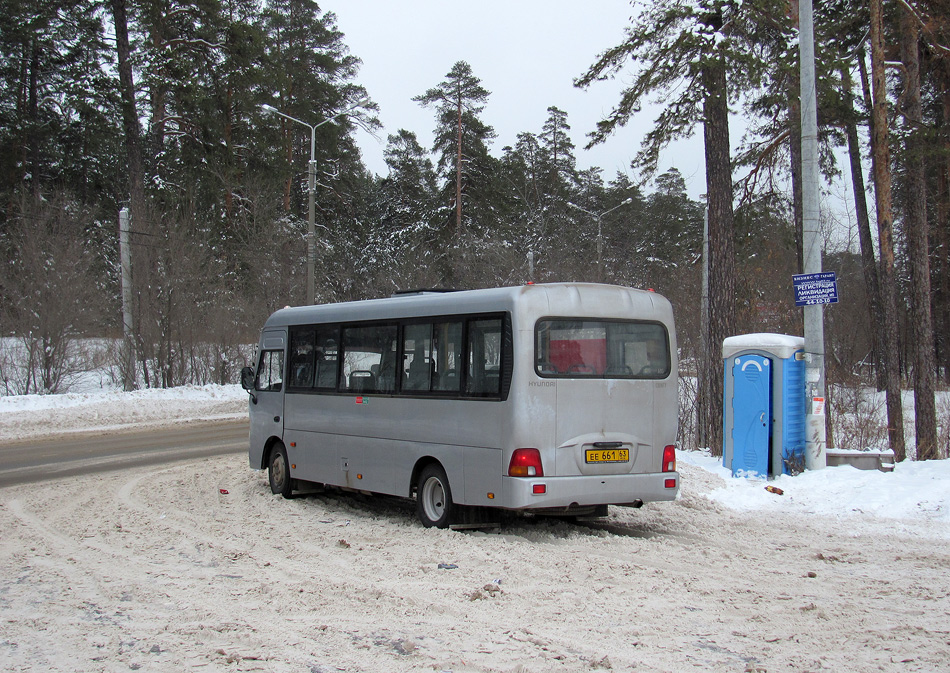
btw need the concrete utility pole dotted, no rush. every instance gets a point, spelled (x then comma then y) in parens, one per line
(125, 253)
(811, 242)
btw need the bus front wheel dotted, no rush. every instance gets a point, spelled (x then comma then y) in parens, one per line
(434, 498)
(278, 471)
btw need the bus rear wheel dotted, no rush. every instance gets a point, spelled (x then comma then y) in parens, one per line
(278, 471)
(434, 498)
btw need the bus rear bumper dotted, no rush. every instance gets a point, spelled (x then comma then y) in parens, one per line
(619, 489)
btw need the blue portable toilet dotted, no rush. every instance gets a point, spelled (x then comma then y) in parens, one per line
(764, 404)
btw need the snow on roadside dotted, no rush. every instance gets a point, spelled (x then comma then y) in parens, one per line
(913, 491)
(25, 417)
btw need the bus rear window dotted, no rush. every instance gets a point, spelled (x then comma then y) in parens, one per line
(595, 348)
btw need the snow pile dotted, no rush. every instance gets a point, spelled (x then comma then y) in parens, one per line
(33, 416)
(914, 490)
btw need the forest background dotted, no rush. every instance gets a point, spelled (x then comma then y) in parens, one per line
(157, 106)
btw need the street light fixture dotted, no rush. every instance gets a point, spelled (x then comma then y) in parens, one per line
(312, 174)
(600, 233)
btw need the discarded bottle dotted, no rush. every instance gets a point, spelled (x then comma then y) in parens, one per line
(774, 489)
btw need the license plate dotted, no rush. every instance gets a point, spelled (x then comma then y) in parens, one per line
(606, 455)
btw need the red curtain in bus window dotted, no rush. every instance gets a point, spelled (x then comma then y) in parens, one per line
(579, 356)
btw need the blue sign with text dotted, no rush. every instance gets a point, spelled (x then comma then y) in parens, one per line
(815, 288)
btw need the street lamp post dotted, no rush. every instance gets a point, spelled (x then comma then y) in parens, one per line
(600, 232)
(312, 178)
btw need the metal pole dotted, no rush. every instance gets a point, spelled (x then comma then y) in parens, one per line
(312, 175)
(600, 248)
(312, 235)
(125, 254)
(811, 243)
(600, 232)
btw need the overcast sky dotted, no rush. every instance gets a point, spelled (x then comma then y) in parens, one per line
(525, 52)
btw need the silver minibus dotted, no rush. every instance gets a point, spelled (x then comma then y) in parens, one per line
(553, 398)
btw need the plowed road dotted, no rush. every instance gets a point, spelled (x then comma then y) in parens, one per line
(50, 458)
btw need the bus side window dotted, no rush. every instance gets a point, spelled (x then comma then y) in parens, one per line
(417, 368)
(369, 359)
(301, 357)
(484, 357)
(270, 371)
(447, 356)
(432, 353)
(386, 371)
(326, 357)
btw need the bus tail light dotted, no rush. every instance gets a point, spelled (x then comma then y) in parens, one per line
(525, 463)
(669, 459)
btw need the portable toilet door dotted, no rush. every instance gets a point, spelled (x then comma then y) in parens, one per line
(751, 415)
(763, 404)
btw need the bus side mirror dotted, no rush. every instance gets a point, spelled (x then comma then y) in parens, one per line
(247, 382)
(247, 379)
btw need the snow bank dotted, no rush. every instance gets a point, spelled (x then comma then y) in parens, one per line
(914, 490)
(33, 416)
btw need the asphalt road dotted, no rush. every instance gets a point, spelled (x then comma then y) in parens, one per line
(36, 461)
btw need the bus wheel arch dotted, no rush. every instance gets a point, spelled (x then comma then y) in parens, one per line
(268, 448)
(434, 504)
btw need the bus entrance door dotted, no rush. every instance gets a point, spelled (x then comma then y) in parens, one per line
(267, 400)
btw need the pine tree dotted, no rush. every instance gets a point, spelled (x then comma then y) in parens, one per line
(309, 75)
(686, 52)
(850, 118)
(57, 120)
(539, 183)
(916, 231)
(407, 236)
(881, 163)
(461, 137)
(559, 150)
(522, 202)
(671, 232)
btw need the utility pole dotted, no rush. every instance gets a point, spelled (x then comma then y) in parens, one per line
(710, 354)
(128, 349)
(312, 221)
(811, 243)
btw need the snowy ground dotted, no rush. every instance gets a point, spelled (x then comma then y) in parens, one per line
(197, 566)
(35, 416)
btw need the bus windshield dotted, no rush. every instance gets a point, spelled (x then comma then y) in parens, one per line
(593, 348)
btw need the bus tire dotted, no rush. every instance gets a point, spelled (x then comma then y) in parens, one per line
(434, 498)
(278, 471)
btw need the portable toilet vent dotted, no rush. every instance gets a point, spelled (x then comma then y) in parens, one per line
(764, 404)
